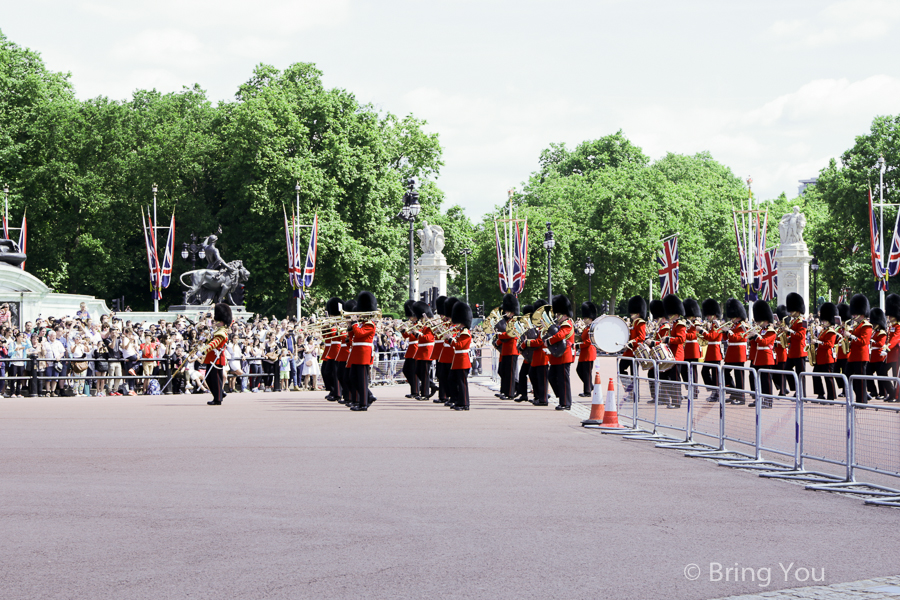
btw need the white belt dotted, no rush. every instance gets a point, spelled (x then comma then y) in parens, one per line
(737, 343)
(691, 342)
(362, 343)
(426, 345)
(714, 343)
(334, 344)
(764, 347)
(460, 351)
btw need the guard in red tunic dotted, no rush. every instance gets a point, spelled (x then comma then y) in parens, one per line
(823, 387)
(660, 329)
(409, 359)
(710, 332)
(782, 322)
(214, 353)
(892, 310)
(425, 345)
(587, 354)
(860, 335)
(637, 308)
(439, 354)
(329, 365)
(840, 365)
(764, 357)
(736, 354)
(540, 364)
(509, 352)
(461, 316)
(878, 350)
(525, 353)
(560, 365)
(343, 355)
(675, 338)
(796, 358)
(363, 334)
(692, 351)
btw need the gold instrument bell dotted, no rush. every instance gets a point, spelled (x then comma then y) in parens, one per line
(487, 325)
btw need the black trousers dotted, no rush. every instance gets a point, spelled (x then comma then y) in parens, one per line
(508, 375)
(585, 370)
(343, 375)
(840, 366)
(684, 370)
(522, 385)
(409, 371)
(328, 376)
(798, 366)
(894, 368)
(423, 376)
(442, 372)
(359, 384)
(538, 376)
(859, 389)
(733, 378)
(670, 392)
(823, 387)
(458, 380)
(710, 374)
(561, 384)
(215, 380)
(765, 381)
(781, 381)
(879, 388)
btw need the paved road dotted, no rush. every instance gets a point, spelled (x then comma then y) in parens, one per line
(288, 496)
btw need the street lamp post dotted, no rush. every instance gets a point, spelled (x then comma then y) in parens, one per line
(409, 212)
(548, 246)
(466, 252)
(589, 271)
(814, 265)
(192, 251)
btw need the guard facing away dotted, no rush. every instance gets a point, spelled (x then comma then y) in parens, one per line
(214, 352)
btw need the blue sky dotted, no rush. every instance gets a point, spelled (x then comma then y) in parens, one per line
(772, 89)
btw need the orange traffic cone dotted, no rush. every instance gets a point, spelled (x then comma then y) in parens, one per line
(611, 414)
(596, 417)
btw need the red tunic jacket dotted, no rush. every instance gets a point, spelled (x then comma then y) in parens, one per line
(425, 344)
(460, 346)
(765, 355)
(713, 346)
(797, 344)
(333, 346)
(508, 345)
(344, 349)
(879, 341)
(411, 346)
(564, 330)
(215, 353)
(586, 352)
(825, 350)
(361, 351)
(894, 343)
(780, 351)
(691, 343)
(737, 345)
(540, 357)
(676, 339)
(636, 336)
(859, 348)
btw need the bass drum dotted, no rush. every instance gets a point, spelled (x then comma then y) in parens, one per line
(609, 334)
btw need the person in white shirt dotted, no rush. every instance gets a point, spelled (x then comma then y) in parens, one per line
(53, 350)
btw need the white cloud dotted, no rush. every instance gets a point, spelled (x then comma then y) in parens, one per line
(163, 47)
(850, 21)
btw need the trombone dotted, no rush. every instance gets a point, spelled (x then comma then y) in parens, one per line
(373, 315)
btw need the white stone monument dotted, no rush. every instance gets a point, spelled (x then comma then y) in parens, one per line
(29, 298)
(432, 265)
(793, 258)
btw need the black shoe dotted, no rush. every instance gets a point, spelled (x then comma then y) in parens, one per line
(358, 408)
(560, 407)
(674, 405)
(459, 408)
(542, 404)
(751, 405)
(519, 399)
(214, 403)
(439, 401)
(409, 396)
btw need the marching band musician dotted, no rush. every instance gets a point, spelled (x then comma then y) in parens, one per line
(675, 338)
(713, 337)
(736, 354)
(409, 358)
(444, 356)
(796, 358)
(343, 356)
(658, 314)
(509, 353)
(764, 357)
(587, 354)
(637, 308)
(560, 365)
(840, 365)
(540, 363)
(214, 353)
(859, 332)
(329, 364)
(781, 351)
(878, 350)
(525, 369)
(362, 334)
(425, 342)
(438, 352)
(892, 310)
(461, 317)
(824, 343)
(692, 352)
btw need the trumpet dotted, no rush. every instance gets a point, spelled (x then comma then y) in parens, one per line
(442, 328)
(372, 315)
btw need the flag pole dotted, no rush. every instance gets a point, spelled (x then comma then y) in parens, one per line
(294, 250)
(155, 233)
(885, 249)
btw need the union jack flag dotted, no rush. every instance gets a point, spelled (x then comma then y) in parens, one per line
(501, 263)
(742, 256)
(168, 256)
(769, 280)
(881, 283)
(520, 261)
(668, 266)
(309, 269)
(289, 240)
(894, 256)
(152, 257)
(760, 250)
(23, 238)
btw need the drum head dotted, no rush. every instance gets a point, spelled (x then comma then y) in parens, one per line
(609, 334)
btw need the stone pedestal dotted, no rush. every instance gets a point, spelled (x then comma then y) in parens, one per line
(793, 271)
(432, 268)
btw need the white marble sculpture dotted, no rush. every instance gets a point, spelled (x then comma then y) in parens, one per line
(791, 227)
(793, 258)
(431, 238)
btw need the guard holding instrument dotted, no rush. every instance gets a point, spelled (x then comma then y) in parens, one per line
(859, 332)
(587, 354)
(329, 362)
(409, 358)
(637, 308)
(892, 311)
(460, 342)
(736, 354)
(540, 364)
(764, 358)
(526, 353)
(692, 353)
(713, 336)
(214, 353)
(509, 352)
(560, 365)
(796, 357)
(425, 346)
(362, 332)
(823, 387)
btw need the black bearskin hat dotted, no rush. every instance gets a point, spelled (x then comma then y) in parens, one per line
(222, 313)
(462, 314)
(333, 307)
(859, 305)
(366, 302)
(422, 310)
(538, 303)
(672, 305)
(588, 310)
(407, 308)
(876, 318)
(657, 310)
(637, 306)
(691, 308)
(562, 306)
(449, 303)
(527, 309)
(892, 306)
(735, 310)
(781, 312)
(762, 311)
(827, 312)
(795, 303)
(510, 304)
(711, 308)
(350, 305)
(844, 311)
(440, 306)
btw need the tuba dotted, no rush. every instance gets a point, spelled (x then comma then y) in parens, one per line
(490, 321)
(544, 320)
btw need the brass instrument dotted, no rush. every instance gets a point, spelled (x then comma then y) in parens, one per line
(373, 315)
(544, 320)
(517, 326)
(442, 328)
(491, 320)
